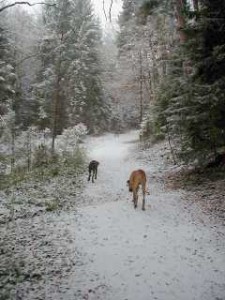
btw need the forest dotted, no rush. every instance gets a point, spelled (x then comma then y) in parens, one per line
(161, 71)
(158, 69)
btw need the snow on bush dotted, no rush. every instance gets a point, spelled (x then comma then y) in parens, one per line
(33, 144)
(69, 139)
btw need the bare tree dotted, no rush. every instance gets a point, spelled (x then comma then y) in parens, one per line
(110, 10)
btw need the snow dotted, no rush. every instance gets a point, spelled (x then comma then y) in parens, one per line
(167, 252)
(105, 249)
(132, 255)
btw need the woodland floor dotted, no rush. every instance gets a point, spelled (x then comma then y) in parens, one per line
(104, 249)
(206, 188)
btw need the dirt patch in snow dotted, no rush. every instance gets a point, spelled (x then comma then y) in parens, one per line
(205, 187)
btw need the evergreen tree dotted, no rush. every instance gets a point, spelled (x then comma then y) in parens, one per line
(7, 75)
(144, 42)
(7, 82)
(20, 38)
(84, 77)
(191, 105)
(69, 87)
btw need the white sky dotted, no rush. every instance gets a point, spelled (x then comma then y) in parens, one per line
(98, 7)
(116, 8)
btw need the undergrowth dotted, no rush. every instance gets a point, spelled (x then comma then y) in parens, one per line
(187, 179)
(57, 166)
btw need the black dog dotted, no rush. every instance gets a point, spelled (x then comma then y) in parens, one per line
(93, 167)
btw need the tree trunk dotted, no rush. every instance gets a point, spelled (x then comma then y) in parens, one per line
(28, 150)
(141, 86)
(56, 100)
(179, 7)
(196, 5)
(55, 113)
(12, 148)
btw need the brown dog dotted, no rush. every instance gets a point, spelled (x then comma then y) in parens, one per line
(137, 178)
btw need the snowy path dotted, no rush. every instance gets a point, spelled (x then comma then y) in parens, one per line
(170, 251)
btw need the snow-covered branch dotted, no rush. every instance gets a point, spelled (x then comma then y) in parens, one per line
(23, 3)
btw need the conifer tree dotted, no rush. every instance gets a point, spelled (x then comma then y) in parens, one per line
(7, 74)
(191, 105)
(69, 87)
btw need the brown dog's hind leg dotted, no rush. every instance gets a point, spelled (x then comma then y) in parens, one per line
(143, 201)
(135, 199)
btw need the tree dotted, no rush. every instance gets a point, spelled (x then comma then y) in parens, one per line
(191, 106)
(7, 71)
(145, 42)
(86, 92)
(69, 87)
(23, 33)
(8, 81)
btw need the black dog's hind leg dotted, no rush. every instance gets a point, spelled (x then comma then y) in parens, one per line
(89, 176)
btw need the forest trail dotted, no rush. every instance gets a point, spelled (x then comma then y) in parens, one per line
(170, 251)
(101, 248)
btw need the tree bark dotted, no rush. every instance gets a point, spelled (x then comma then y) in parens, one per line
(55, 115)
(179, 7)
(196, 5)
(141, 86)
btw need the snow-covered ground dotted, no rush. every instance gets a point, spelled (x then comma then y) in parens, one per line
(170, 251)
(107, 250)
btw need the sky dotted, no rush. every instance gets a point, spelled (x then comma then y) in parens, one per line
(98, 7)
(116, 8)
